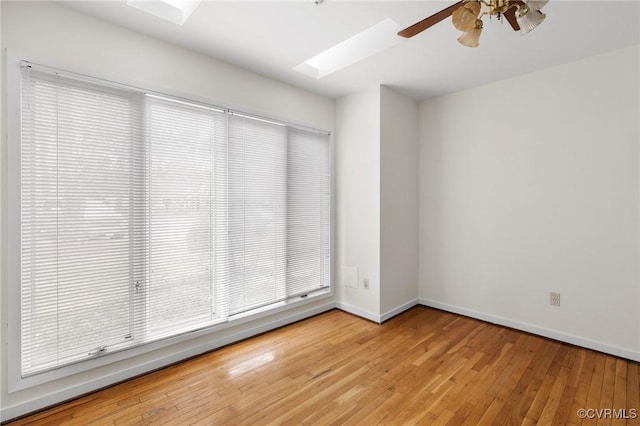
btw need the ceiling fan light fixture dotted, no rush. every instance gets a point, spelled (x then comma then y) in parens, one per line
(471, 38)
(528, 19)
(536, 4)
(464, 19)
(474, 6)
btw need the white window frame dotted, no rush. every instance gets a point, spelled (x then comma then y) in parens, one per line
(13, 129)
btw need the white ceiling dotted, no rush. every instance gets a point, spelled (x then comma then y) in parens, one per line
(271, 37)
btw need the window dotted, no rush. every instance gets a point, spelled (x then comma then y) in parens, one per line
(183, 144)
(143, 217)
(78, 157)
(257, 212)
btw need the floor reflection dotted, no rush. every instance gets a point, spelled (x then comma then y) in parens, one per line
(251, 364)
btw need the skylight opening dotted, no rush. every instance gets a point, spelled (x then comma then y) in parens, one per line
(375, 39)
(176, 11)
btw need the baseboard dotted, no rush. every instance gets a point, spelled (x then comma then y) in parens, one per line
(397, 311)
(530, 328)
(358, 312)
(69, 393)
(375, 317)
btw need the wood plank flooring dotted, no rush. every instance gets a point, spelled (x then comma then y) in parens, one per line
(422, 367)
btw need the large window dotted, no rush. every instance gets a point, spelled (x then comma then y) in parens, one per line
(143, 217)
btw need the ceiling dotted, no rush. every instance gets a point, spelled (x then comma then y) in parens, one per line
(272, 37)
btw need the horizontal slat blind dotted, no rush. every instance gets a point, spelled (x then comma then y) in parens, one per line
(257, 212)
(308, 212)
(78, 155)
(182, 141)
(144, 217)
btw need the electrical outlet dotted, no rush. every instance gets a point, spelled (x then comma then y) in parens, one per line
(365, 283)
(554, 299)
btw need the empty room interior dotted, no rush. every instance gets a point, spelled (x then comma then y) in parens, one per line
(320, 212)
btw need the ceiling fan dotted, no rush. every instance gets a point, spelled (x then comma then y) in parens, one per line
(522, 15)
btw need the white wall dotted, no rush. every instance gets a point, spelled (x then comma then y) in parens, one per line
(531, 185)
(358, 200)
(3, 168)
(398, 201)
(377, 202)
(78, 42)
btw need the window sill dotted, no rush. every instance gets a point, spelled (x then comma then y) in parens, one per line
(221, 335)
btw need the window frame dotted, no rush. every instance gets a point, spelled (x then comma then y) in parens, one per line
(13, 232)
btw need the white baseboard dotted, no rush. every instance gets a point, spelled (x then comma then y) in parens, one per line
(12, 412)
(358, 312)
(375, 317)
(397, 311)
(530, 328)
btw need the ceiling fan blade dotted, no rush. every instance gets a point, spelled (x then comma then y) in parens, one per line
(510, 16)
(419, 27)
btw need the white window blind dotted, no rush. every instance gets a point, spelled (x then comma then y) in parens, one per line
(184, 142)
(80, 147)
(144, 217)
(308, 212)
(257, 212)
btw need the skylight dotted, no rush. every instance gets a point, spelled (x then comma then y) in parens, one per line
(375, 39)
(176, 11)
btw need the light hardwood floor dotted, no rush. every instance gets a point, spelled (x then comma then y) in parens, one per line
(422, 367)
